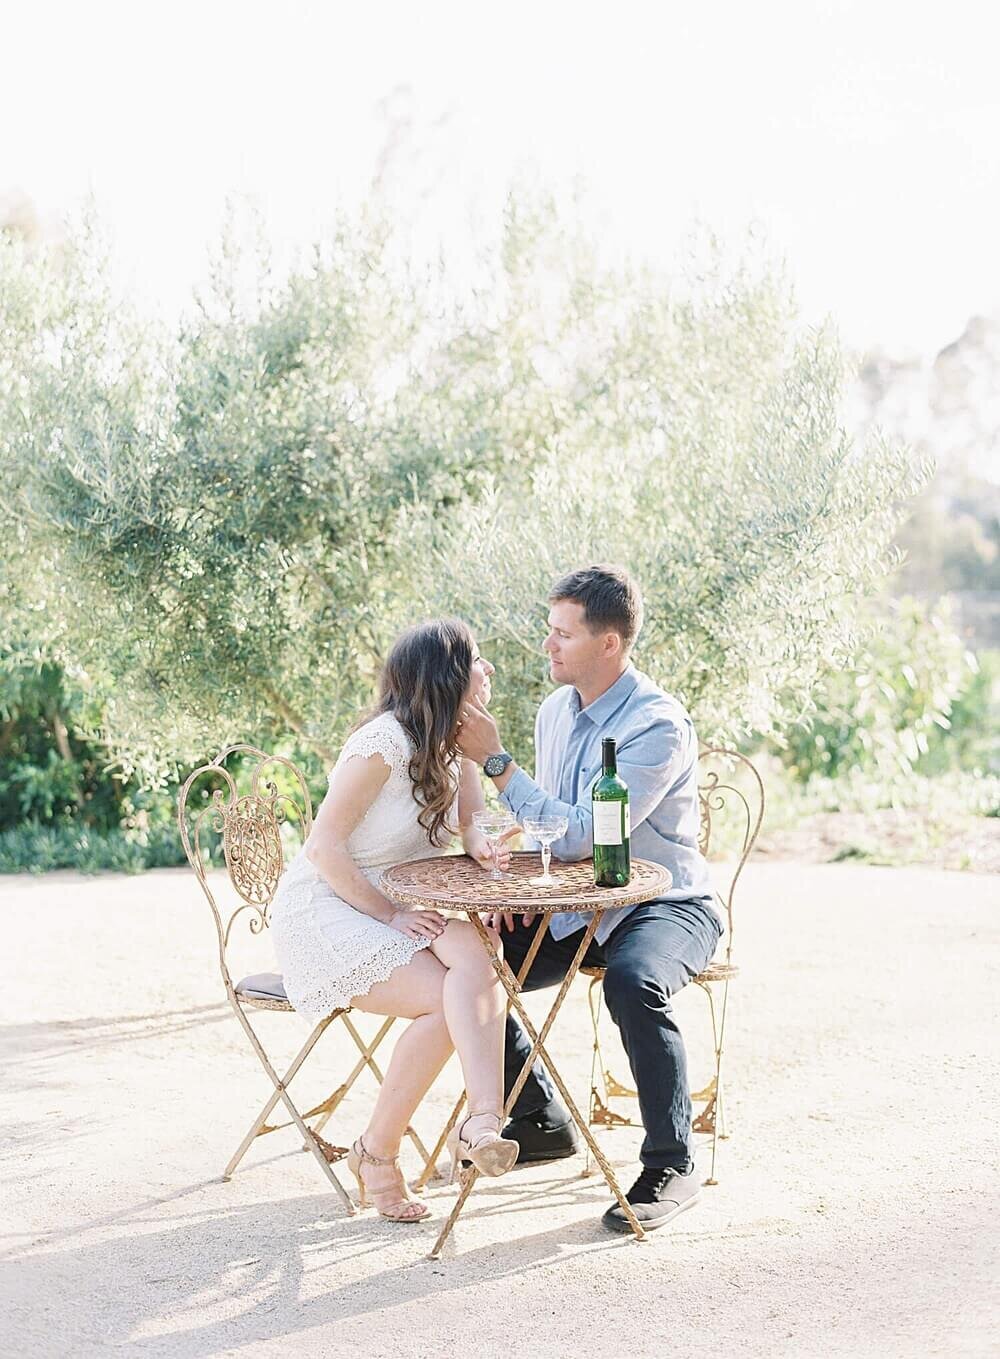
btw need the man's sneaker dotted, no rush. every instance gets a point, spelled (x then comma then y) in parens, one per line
(540, 1139)
(656, 1197)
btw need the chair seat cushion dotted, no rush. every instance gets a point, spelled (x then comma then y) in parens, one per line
(263, 986)
(716, 972)
(713, 973)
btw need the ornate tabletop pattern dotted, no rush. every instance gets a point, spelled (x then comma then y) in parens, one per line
(457, 881)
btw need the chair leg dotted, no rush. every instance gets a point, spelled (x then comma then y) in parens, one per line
(330, 1107)
(265, 1113)
(601, 1114)
(724, 1127)
(594, 993)
(315, 1143)
(712, 1117)
(721, 1107)
(718, 1122)
(430, 1170)
(324, 1119)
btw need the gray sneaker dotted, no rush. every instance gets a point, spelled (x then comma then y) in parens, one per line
(656, 1197)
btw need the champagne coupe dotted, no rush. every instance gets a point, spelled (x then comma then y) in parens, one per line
(493, 825)
(545, 829)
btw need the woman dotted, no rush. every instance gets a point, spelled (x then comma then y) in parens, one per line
(396, 793)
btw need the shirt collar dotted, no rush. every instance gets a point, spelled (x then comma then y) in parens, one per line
(610, 701)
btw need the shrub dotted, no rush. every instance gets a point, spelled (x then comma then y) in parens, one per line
(36, 848)
(911, 699)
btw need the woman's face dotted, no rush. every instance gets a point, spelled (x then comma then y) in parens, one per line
(479, 680)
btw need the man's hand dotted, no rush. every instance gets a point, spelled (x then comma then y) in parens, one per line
(478, 735)
(497, 920)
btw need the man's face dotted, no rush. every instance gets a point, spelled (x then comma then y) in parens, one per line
(575, 653)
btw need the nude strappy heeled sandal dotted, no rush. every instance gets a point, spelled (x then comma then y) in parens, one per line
(400, 1209)
(490, 1153)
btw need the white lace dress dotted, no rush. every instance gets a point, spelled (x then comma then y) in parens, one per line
(329, 952)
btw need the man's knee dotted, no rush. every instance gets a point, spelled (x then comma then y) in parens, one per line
(632, 989)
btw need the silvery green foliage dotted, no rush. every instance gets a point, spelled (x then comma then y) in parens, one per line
(693, 435)
(224, 529)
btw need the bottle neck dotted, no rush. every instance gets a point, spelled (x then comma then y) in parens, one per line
(609, 757)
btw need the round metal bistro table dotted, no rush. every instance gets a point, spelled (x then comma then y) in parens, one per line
(457, 883)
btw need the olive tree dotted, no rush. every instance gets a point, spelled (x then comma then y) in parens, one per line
(225, 527)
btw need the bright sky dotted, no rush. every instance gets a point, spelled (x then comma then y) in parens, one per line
(863, 135)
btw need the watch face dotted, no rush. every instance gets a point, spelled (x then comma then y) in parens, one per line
(496, 764)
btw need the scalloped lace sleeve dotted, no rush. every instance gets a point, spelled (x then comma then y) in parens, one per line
(382, 736)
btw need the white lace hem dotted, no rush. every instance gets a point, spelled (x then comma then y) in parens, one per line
(336, 993)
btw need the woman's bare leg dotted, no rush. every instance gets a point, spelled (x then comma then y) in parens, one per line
(474, 1008)
(413, 992)
(453, 998)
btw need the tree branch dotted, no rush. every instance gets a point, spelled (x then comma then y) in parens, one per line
(297, 724)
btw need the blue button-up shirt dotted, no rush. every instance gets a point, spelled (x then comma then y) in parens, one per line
(658, 761)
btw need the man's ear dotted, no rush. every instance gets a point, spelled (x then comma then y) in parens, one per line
(612, 645)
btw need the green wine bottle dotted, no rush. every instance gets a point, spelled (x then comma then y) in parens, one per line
(612, 859)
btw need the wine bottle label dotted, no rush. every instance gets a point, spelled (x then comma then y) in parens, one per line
(628, 822)
(608, 823)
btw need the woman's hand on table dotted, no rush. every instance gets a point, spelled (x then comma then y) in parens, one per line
(477, 847)
(418, 924)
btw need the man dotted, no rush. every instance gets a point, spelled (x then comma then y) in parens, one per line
(650, 951)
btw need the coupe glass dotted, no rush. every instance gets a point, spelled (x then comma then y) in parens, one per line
(545, 829)
(493, 825)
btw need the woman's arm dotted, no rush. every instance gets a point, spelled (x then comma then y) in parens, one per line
(470, 801)
(353, 789)
(470, 795)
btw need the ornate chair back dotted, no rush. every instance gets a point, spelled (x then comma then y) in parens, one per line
(211, 808)
(243, 801)
(730, 790)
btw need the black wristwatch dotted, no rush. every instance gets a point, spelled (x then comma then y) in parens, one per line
(496, 764)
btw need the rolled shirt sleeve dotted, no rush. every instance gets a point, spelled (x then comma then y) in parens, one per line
(647, 764)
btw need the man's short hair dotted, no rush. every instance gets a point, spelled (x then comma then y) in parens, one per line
(610, 598)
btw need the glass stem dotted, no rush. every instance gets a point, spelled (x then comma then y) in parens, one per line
(546, 859)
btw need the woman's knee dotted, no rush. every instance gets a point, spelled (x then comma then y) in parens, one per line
(411, 991)
(461, 946)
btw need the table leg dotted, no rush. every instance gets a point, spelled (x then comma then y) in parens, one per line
(430, 1167)
(511, 986)
(538, 1050)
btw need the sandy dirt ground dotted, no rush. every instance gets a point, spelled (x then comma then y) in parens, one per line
(856, 1215)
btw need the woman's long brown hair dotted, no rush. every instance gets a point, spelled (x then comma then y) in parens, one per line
(423, 682)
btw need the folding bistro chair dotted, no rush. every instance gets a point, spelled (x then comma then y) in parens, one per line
(250, 827)
(713, 792)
